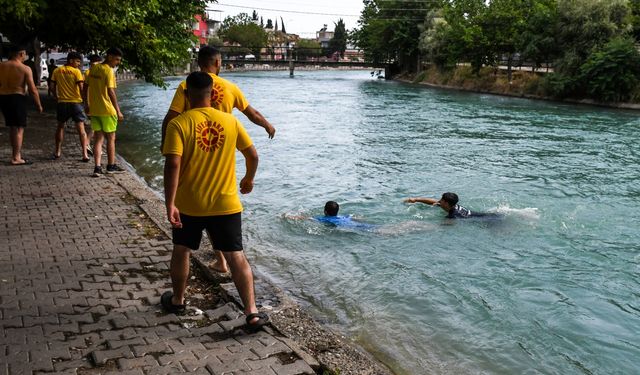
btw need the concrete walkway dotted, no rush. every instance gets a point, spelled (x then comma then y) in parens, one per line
(81, 271)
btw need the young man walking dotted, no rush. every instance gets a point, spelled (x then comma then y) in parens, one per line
(14, 77)
(225, 96)
(201, 193)
(102, 104)
(67, 84)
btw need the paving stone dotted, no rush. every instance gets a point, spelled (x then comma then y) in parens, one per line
(127, 364)
(296, 368)
(100, 357)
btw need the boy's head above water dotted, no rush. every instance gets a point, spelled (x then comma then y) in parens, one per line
(448, 201)
(331, 208)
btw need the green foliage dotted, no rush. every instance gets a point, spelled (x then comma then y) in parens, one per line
(537, 42)
(306, 48)
(389, 30)
(155, 35)
(250, 36)
(612, 73)
(339, 41)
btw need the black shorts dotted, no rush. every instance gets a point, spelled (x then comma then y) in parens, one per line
(74, 111)
(14, 110)
(225, 231)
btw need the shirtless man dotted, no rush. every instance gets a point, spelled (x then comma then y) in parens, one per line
(14, 76)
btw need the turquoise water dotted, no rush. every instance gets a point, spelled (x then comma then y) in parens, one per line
(552, 288)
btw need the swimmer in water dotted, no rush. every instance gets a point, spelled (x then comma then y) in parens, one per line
(449, 203)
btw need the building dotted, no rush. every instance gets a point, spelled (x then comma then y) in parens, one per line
(200, 29)
(323, 36)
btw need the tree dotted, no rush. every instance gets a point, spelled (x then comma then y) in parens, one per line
(282, 24)
(537, 42)
(155, 35)
(249, 36)
(254, 16)
(306, 48)
(339, 41)
(269, 24)
(390, 30)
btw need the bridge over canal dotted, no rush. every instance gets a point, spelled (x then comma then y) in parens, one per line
(293, 63)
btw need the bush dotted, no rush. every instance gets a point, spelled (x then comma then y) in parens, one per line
(612, 73)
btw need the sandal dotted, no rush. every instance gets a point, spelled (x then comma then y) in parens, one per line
(168, 306)
(263, 319)
(84, 160)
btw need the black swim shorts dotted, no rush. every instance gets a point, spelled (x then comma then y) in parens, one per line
(74, 111)
(14, 110)
(225, 231)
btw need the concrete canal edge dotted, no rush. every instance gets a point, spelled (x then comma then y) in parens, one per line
(326, 351)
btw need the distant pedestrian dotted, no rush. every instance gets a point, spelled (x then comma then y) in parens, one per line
(93, 60)
(51, 67)
(14, 77)
(30, 62)
(102, 104)
(67, 84)
(224, 96)
(201, 193)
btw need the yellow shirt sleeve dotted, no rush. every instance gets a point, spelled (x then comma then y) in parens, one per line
(79, 76)
(178, 104)
(240, 101)
(111, 80)
(174, 141)
(243, 141)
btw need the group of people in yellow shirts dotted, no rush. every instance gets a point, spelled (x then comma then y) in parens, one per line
(92, 93)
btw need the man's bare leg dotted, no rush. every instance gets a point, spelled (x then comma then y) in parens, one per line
(243, 279)
(83, 139)
(111, 147)
(16, 134)
(59, 138)
(219, 263)
(97, 147)
(179, 273)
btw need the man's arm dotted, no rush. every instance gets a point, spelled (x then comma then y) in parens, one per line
(167, 119)
(258, 119)
(430, 201)
(171, 175)
(114, 101)
(33, 91)
(251, 161)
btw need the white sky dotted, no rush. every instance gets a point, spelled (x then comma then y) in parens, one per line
(301, 22)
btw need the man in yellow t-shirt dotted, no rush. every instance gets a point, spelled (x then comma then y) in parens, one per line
(201, 192)
(104, 109)
(66, 85)
(224, 96)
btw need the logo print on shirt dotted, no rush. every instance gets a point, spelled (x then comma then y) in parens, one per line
(217, 95)
(209, 136)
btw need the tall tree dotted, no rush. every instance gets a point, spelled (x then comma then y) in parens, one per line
(282, 24)
(269, 24)
(339, 41)
(249, 36)
(155, 35)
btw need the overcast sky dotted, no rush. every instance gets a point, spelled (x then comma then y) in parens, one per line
(303, 17)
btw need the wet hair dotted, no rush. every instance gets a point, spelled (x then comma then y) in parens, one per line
(207, 55)
(331, 208)
(450, 198)
(74, 56)
(95, 58)
(199, 84)
(114, 51)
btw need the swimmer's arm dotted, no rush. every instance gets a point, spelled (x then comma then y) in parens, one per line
(171, 114)
(429, 201)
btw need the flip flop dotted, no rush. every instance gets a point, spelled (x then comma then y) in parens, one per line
(26, 162)
(168, 306)
(84, 160)
(263, 319)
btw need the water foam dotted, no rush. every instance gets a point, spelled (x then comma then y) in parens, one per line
(530, 213)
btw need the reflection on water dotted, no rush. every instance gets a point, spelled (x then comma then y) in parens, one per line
(551, 288)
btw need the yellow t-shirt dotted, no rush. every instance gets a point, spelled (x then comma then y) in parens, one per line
(206, 139)
(101, 78)
(224, 96)
(67, 79)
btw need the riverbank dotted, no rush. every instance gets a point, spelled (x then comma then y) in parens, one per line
(85, 263)
(524, 84)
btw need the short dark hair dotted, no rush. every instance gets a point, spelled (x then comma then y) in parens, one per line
(95, 58)
(14, 49)
(199, 82)
(451, 198)
(114, 51)
(207, 55)
(74, 56)
(331, 208)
